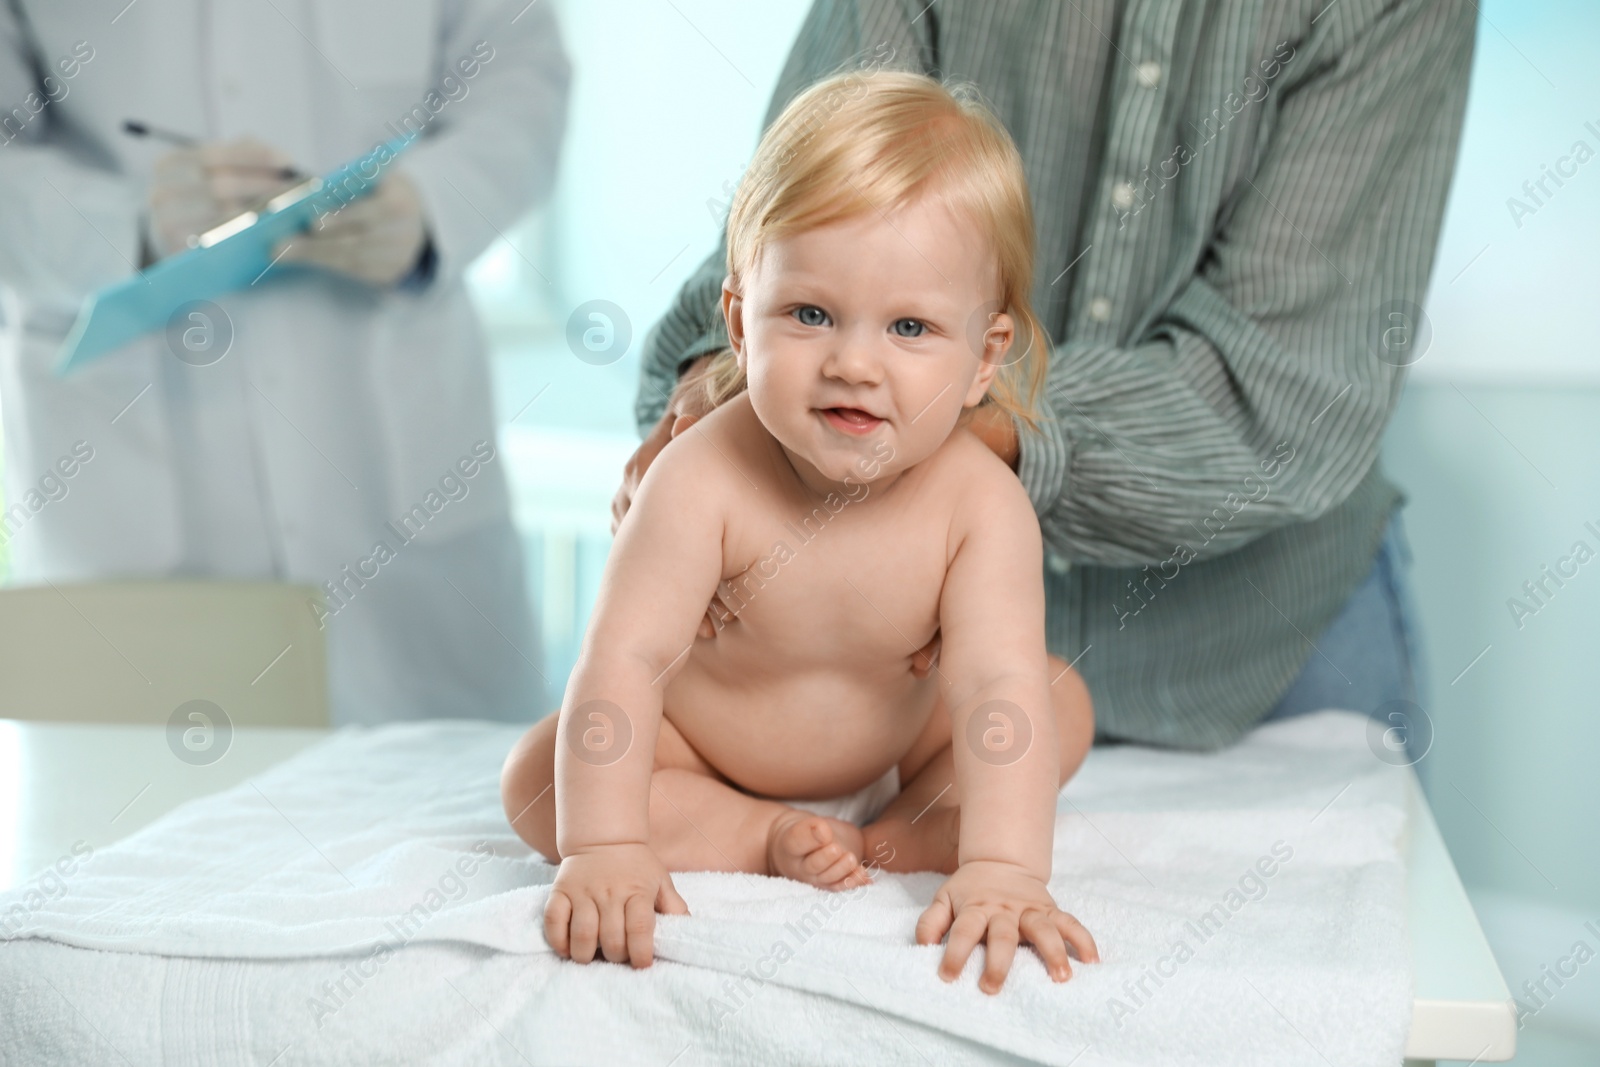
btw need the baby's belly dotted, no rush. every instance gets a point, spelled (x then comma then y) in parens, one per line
(809, 734)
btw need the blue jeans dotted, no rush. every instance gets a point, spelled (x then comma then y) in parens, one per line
(1368, 657)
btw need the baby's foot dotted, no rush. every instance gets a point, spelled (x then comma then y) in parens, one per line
(817, 850)
(930, 842)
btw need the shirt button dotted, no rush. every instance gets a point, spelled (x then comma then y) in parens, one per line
(1100, 309)
(1122, 196)
(1056, 564)
(1149, 74)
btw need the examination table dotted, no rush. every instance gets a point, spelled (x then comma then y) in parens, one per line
(355, 897)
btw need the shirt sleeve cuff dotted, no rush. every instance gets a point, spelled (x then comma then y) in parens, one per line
(1042, 462)
(659, 378)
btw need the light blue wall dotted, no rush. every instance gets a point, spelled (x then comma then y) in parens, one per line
(1512, 775)
(1496, 443)
(1503, 481)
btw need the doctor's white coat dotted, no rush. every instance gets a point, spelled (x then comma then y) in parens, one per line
(331, 444)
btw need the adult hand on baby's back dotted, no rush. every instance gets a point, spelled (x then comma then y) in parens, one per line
(1000, 903)
(606, 897)
(685, 407)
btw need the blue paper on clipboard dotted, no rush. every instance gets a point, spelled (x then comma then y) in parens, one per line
(230, 257)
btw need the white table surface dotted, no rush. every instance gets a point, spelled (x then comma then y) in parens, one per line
(62, 783)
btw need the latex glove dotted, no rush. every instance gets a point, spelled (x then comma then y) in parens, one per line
(194, 189)
(375, 239)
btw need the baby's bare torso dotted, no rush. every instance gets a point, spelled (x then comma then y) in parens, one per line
(809, 691)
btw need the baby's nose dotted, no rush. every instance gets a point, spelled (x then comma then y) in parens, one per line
(854, 359)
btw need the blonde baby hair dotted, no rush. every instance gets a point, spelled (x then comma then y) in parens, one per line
(865, 141)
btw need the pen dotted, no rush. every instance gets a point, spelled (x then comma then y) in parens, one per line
(144, 129)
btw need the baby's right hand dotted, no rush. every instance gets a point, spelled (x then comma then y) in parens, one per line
(609, 895)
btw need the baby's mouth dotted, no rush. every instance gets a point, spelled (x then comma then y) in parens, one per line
(851, 420)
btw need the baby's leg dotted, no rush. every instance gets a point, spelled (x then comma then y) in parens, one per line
(698, 822)
(920, 830)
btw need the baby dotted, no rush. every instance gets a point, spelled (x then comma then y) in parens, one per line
(838, 515)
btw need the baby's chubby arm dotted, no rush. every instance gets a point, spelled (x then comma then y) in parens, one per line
(993, 670)
(663, 568)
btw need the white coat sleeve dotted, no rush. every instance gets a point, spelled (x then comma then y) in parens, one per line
(68, 225)
(486, 160)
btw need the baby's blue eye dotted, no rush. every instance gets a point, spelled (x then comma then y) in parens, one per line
(908, 328)
(811, 315)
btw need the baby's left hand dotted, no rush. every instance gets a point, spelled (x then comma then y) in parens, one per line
(999, 904)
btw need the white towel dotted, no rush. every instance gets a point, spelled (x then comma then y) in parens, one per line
(1248, 904)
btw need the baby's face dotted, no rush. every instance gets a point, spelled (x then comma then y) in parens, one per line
(868, 332)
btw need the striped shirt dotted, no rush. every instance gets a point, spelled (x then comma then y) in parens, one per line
(1237, 206)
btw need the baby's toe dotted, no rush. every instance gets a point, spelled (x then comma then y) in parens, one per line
(820, 860)
(843, 866)
(850, 874)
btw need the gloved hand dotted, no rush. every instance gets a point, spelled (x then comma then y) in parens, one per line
(194, 189)
(376, 238)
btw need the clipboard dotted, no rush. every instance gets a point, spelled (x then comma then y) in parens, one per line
(231, 256)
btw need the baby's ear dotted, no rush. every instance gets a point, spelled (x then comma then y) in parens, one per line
(995, 345)
(733, 316)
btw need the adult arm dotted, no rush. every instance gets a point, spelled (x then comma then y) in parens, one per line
(1269, 345)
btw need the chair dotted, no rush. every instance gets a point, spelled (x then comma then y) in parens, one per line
(137, 651)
